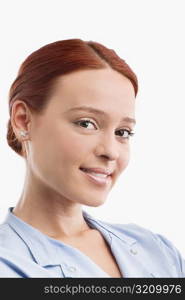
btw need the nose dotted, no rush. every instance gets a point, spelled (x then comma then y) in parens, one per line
(107, 147)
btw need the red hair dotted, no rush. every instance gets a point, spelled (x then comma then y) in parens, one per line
(39, 71)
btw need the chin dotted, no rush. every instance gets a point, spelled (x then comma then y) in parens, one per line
(94, 203)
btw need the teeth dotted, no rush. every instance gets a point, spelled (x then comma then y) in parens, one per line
(98, 174)
(95, 174)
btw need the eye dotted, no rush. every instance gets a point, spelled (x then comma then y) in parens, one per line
(84, 122)
(126, 133)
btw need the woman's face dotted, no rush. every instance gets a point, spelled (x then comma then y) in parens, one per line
(65, 139)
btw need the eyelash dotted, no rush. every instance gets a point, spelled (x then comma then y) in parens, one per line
(130, 133)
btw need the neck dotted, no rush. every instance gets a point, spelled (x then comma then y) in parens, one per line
(49, 212)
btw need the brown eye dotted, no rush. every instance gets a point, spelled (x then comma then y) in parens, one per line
(84, 122)
(126, 133)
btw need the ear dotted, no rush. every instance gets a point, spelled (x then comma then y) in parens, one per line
(20, 119)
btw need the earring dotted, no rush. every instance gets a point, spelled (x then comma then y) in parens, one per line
(23, 133)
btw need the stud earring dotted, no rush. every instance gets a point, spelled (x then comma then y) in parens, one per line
(23, 133)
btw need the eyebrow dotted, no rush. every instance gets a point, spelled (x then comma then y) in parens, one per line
(100, 112)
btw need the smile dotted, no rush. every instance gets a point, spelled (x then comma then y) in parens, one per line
(97, 178)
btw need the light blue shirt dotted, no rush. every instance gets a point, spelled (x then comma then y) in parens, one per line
(27, 252)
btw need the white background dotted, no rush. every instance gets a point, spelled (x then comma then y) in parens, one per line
(149, 35)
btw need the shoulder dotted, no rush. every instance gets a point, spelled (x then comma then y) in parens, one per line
(153, 246)
(141, 235)
(7, 251)
(12, 246)
(8, 237)
(6, 232)
(133, 233)
(130, 232)
(147, 237)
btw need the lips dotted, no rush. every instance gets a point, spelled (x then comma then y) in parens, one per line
(98, 178)
(101, 175)
(98, 170)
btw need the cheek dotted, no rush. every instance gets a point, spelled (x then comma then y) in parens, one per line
(56, 143)
(74, 147)
(124, 159)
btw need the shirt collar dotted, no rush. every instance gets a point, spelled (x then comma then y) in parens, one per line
(41, 245)
(38, 243)
(121, 231)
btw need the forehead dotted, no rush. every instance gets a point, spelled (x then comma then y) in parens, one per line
(105, 89)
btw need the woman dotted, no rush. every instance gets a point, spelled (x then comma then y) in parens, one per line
(72, 113)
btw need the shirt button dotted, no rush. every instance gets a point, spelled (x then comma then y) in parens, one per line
(72, 269)
(133, 251)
